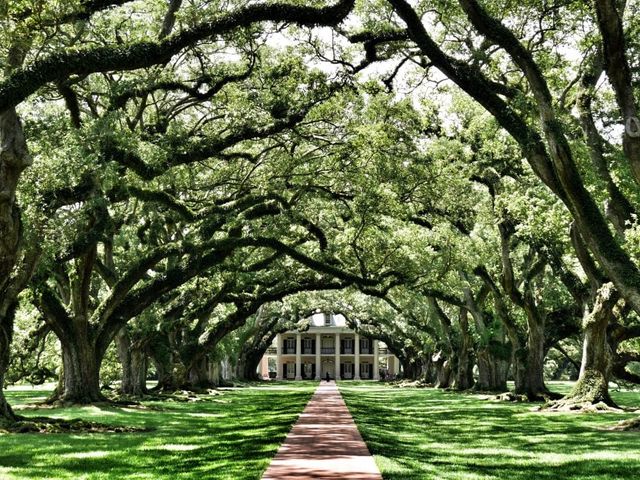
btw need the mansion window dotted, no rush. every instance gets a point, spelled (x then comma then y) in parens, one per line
(290, 345)
(328, 345)
(327, 319)
(348, 370)
(307, 345)
(365, 346)
(348, 345)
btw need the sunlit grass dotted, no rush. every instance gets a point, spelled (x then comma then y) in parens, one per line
(413, 433)
(430, 434)
(229, 436)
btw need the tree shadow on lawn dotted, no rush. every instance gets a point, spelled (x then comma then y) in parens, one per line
(432, 434)
(235, 439)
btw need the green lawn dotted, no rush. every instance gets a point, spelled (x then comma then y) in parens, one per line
(430, 434)
(228, 436)
(413, 433)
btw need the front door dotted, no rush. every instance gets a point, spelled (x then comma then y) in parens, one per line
(328, 366)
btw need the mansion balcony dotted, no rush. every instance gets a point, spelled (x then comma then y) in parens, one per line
(324, 350)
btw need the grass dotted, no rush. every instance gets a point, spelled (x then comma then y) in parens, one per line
(431, 434)
(228, 436)
(413, 434)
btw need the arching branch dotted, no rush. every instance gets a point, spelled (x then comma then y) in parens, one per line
(58, 67)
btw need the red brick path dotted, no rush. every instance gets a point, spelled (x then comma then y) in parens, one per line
(324, 443)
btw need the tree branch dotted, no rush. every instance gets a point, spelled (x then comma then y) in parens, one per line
(57, 67)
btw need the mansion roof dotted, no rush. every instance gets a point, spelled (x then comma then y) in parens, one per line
(321, 319)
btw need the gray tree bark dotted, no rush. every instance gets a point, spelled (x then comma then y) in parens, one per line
(464, 373)
(592, 388)
(133, 359)
(81, 371)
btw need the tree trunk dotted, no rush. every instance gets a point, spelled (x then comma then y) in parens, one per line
(163, 358)
(519, 368)
(247, 367)
(14, 158)
(534, 387)
(123, 344)
(6, 412)
(518, 353)
(427, 369)
(445, 364)
(215, 375)
(592, 388)
(443, 370)
(489, 373)
(167, 381)
(134, 365)
(492, 371)
(412, 370)
(464, 373)
(81, 371)
(198, 375)
(6, 335)
(139, 366)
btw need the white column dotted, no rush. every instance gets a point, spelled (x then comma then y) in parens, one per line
(318, 358)
(396, 366)
(298, 356)
(279, 356)
(337, 344)
(357, 365)
(376, 373)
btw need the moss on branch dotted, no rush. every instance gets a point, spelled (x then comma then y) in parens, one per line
(84, 61)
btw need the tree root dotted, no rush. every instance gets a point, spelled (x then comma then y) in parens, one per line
(175, 396)
(545, 396)
(511, 397)
(56, 425)
(130, 401)
(589, 394)
(411, 384)
(578, 405)
(61, 403)
(632, 425)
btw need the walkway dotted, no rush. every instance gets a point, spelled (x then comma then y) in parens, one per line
(324, 443)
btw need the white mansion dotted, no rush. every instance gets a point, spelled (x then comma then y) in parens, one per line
(327, 347)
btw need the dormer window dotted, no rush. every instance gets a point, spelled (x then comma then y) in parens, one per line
(327, 319)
